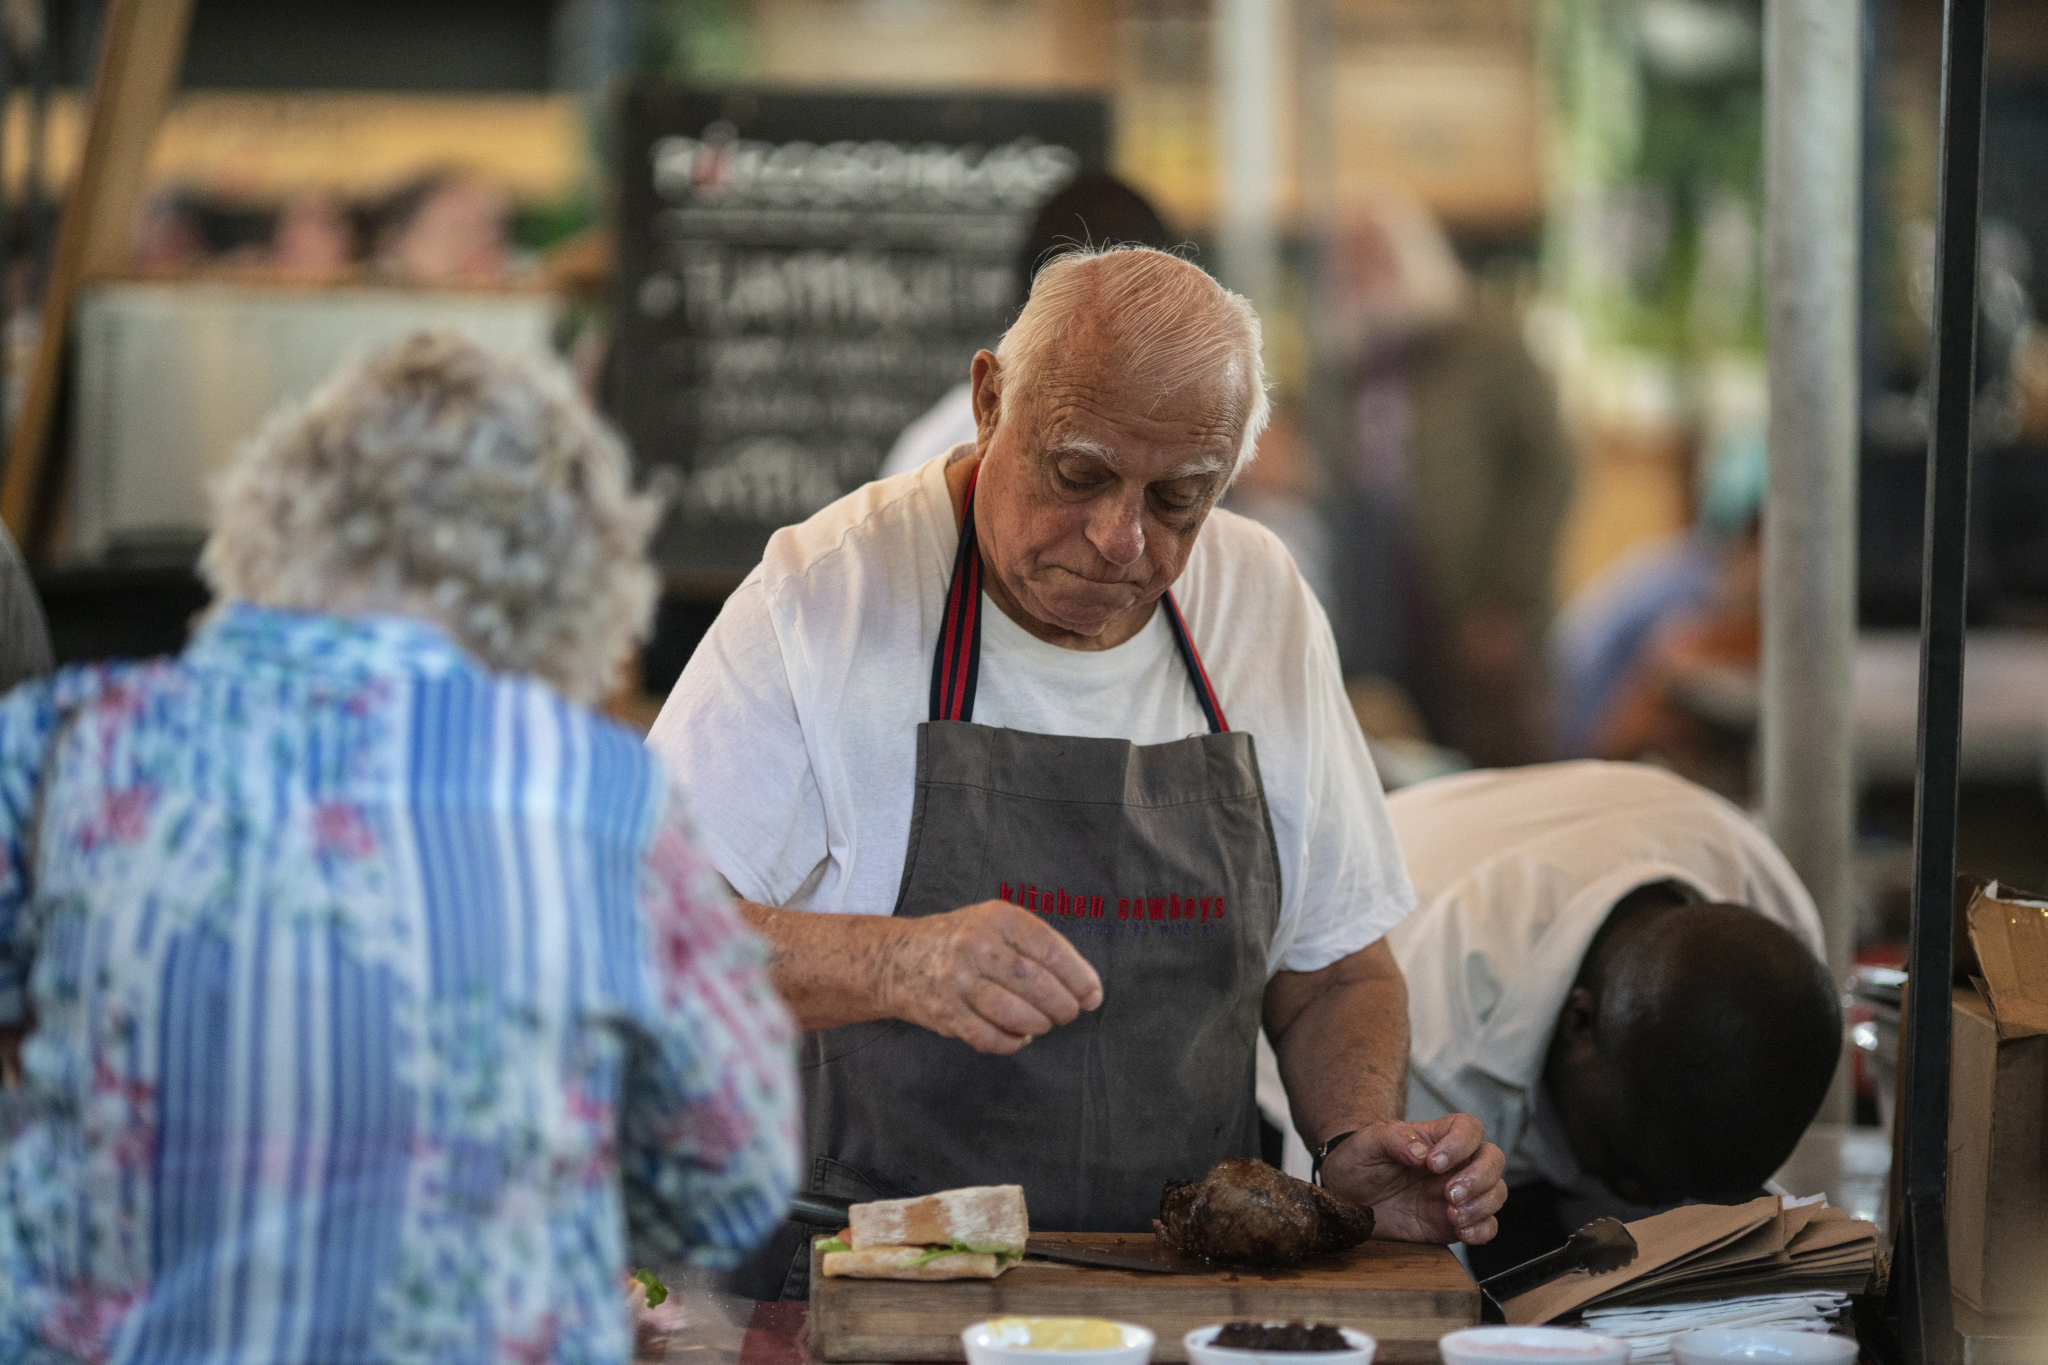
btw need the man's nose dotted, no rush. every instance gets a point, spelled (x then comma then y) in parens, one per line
(1116, 528)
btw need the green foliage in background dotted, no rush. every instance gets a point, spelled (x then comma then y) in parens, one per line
(1702, 157)
(702, 41)
(1654, 236)
(536, 227)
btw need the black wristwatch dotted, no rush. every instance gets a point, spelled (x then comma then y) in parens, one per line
(1316, 1159)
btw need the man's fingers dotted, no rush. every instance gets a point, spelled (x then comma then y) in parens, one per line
(979, 1034)
(1481, 1234)
(1008, 1011)
(1453, 1139)
(1007, 968)
(1479, 1204)
(1481, 1174)
(984, 1037)
(1048, 948)
(1404, 1142)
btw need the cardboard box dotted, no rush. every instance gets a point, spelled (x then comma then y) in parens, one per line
(1998, 1111)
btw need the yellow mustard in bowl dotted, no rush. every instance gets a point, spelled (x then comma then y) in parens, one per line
(1057, 1334)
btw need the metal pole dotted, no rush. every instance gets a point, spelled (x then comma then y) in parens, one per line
(1246, 38)
(1324, 407)
(1925, 1310)
(1812, 155)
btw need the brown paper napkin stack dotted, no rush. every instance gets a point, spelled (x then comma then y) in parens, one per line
(1716, 1251)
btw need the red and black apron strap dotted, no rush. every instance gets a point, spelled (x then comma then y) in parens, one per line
(956, 665)
(1205, 692)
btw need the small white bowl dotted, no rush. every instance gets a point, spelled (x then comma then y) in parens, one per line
(1520, 1345)
(986, 1346)
(1762, 1344)
(1200, 1352)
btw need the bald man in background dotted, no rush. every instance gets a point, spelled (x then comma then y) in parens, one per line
(1619, 975)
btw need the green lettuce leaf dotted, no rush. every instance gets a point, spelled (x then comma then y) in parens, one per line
(1003, 1255)
(657, 1292)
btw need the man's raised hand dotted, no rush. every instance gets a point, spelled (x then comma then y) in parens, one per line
(993, 975)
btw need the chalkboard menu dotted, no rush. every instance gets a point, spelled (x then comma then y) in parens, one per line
(802, 275)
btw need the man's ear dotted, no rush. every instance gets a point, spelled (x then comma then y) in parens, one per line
(987, 379)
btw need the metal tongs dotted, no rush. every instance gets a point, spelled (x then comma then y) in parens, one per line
(1601, 1246)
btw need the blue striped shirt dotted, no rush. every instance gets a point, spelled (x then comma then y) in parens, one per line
(374, 996)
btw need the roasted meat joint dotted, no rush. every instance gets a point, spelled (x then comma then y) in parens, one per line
(1243, 1212)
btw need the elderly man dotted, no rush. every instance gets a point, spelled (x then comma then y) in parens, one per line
(977, 744)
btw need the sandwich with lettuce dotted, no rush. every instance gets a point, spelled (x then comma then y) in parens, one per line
(968, 1234)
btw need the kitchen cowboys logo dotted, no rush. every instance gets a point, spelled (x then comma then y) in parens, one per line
(1080, 905)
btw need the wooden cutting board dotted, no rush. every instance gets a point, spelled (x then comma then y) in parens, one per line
(1405, 1295)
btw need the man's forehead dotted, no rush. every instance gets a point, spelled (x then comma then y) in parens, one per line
(1198, 425)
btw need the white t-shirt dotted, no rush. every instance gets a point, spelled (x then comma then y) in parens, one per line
(794, 727)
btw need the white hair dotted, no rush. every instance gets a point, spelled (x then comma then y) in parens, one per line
(438, 479)
(1169, 324)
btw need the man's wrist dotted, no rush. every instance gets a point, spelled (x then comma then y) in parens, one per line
(1322, 1153)
(884, 953)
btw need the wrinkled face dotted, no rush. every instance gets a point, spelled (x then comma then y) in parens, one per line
(1092, 488)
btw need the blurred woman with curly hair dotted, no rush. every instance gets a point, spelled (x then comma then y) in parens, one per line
(365, 991)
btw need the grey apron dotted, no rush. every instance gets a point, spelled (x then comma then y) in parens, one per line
(1158, 863)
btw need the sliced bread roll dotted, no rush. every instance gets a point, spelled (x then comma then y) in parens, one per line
(909, 1263)
(985, 1217)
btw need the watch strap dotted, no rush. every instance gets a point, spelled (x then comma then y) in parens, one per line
(1316, 1158)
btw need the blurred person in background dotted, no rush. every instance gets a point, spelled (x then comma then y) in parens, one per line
(313, 239)
(1092, 209)
(1637, 649)
(1448, 492)
(169, 237)
(447, 227)
(374, 991)
(1278, 489)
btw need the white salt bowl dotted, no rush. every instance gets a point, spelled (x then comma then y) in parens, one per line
(1520, 1345)
(1782, 1345)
